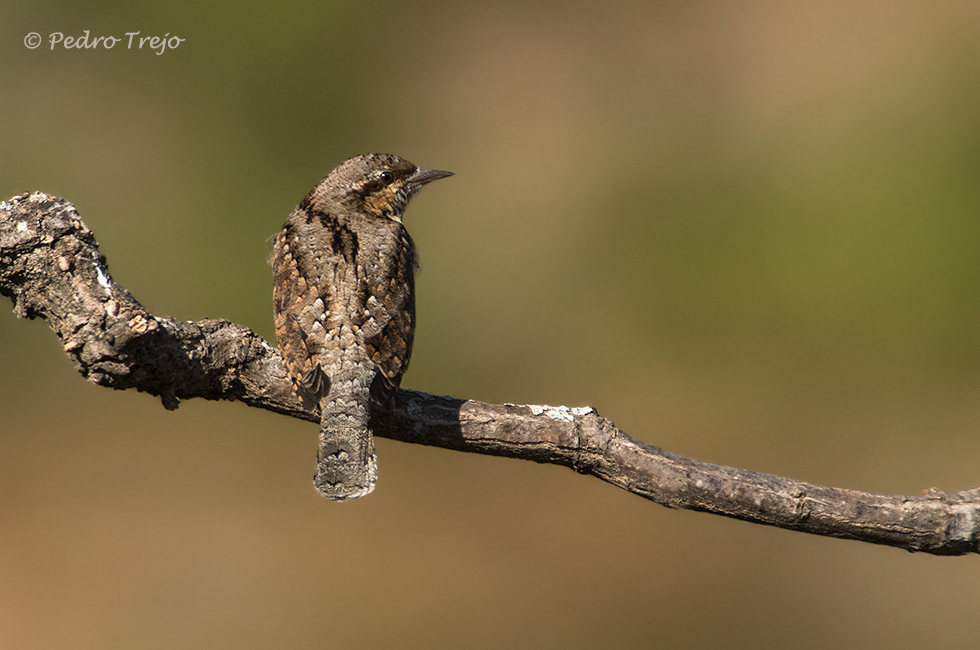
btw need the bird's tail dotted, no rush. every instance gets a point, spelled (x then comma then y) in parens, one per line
(347, 466)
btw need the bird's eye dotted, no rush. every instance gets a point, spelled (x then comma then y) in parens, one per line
(387, 177)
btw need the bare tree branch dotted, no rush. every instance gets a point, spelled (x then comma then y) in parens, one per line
(50, 266)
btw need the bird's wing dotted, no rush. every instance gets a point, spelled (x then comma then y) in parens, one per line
(301, 305)
(390, 330)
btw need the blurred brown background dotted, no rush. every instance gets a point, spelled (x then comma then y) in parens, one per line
(748, 232)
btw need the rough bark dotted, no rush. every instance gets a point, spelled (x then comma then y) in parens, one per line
(51, 267)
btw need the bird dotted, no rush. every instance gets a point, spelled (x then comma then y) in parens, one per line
(344, 305)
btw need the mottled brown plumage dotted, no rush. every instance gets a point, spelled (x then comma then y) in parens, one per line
(344, 300)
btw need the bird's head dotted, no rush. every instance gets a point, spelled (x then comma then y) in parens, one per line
(379, 184)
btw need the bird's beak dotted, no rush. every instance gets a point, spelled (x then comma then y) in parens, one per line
(423, 176)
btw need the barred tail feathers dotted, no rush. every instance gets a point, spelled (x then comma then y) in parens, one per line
(347, 466)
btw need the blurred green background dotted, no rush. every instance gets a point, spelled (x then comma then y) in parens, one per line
(748, 232)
